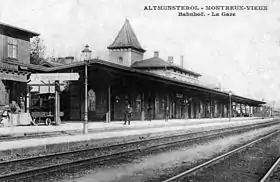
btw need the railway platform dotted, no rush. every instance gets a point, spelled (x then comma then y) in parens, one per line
(77, 126)
(101, 133)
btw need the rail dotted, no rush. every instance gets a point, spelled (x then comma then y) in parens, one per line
(16, 169)
(220, 157)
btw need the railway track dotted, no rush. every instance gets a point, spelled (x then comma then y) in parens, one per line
(29, 167)
(192, 171)
(273, 174)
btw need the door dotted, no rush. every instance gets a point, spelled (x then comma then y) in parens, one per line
(75, 102)
(173, 109)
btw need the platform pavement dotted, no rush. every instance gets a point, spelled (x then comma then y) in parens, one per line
(115, 125)
(18, 144)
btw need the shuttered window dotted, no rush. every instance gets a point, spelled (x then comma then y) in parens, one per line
(12, 48)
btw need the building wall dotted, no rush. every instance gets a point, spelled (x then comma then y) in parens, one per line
(141, 94)
(2, 46)
(97, 104)
(75, 102)
(156, 99)
(4, 95)
(23, 49)
(160, 104)
(198, 110)
(10, 89)
(172, 74)
(119, 100)
(128, 56)
(115, 54)
(136, 56)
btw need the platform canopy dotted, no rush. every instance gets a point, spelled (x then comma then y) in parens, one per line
(121, 70)
(44, 82)
(50, 77)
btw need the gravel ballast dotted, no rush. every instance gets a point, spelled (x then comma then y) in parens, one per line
(158, 166)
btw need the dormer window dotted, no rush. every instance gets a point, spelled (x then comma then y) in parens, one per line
(120, 60)
(12, 48)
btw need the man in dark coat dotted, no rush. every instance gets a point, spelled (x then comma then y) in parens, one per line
(127, 113)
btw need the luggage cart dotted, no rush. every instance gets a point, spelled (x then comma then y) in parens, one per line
(42, 110)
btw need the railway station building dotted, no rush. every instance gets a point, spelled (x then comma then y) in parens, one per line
(149, 85)
(14, 63)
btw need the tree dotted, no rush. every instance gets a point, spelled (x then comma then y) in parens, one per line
(37, 50)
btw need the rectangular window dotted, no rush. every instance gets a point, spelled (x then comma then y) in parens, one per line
(156, 105)
(12, 48)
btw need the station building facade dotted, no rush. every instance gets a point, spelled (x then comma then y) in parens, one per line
(14, 63)
(152, 84)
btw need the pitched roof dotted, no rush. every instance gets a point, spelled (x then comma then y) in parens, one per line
(49, 63)
(10, 28)
(156, 62)
(126, 38)
(151, 62)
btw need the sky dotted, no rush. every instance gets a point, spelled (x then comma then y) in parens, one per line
(242, 52)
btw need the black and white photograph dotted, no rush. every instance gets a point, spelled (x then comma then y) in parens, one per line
(139, 91)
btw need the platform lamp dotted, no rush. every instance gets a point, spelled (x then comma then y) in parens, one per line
(230, 110)
(86, 56)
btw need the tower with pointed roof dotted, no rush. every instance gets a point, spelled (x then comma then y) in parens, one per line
(126, 49)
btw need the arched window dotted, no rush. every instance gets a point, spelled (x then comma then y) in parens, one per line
(120, 60)
(91, 100)
(157, 105)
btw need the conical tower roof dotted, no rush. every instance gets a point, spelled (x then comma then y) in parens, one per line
(126, 38)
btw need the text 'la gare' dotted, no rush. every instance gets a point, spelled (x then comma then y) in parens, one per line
(203, 14)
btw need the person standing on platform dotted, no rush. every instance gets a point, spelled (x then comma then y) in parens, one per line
(127, 113)
(166, 114)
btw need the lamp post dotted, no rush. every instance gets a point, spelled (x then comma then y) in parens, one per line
(230, 93)
(86, 55)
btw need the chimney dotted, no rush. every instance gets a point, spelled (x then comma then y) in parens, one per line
(182, 61)
(170, 59)
(156, 54)
(69, 59)
(61, 60)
